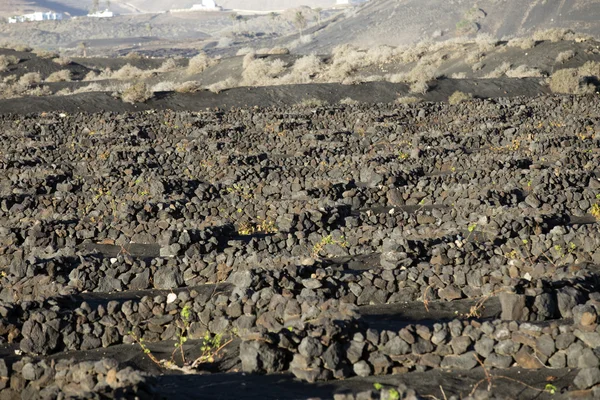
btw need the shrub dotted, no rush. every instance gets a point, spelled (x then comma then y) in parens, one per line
(165, 86)
(262, 73)
(168, 65)
(128, 72)
(133, 55)
(312, 102)
(6, 61)
(30, 78)
(22, 48)
(477, 66)
(248, 58)
(499, 71)
(348, 101)
(408, 100)
(569, 81)
(136, 93)
(590, 68)
(45, 53)
(92, 87)
(279, 51)
(553, 35)
(188, 87)
(199, 63)
(522, 42)
(222, 85)
(524, 71)
(244, 50)
(459, 75)
(224, 42)
(564, 56)
(91, 76)
(59, 76)
(62, 61)
(39, 91)
(304, 70)
(419, 87)
(459, 97)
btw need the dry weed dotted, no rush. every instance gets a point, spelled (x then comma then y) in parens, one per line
(63, 75)
(136, 93)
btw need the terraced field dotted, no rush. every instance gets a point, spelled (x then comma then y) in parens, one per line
(387, 251)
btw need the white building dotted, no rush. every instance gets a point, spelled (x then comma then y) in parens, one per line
(102, 14)
(207, 5)
(36, 16)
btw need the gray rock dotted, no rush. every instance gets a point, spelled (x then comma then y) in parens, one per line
(587, 377)
(460, 344)
(362, 368)
(588, 359)
(167, 278)
(311, 283)
(369, 177)
(484, 346)
(380, 362)
(558, 360)
(261, 357)
(506, 347)
(584, 314)
(545, 304)
(241, 279)
(355, 351)
(591, 339)
(332, 357)
(513, 306)
(310, 347)
(497, 361)
(567, 298)
(464, 361)
(396, 347)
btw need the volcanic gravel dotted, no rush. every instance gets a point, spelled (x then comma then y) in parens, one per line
(284, 228)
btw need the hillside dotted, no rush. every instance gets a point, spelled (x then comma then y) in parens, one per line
(393, 22)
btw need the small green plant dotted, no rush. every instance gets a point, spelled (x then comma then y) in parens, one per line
(318, 247)
(186, 317)
(595, 210)
(550, 388)
(402, 155)
(264, 226)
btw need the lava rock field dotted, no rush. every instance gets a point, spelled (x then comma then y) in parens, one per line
(338, 245)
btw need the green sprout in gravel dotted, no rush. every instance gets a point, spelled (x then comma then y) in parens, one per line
(318, 247)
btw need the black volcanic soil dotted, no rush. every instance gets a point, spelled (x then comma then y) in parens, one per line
(366, 251)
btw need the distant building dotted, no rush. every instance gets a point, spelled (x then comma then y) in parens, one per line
(207, 5)
(101, 14)
(36, 16)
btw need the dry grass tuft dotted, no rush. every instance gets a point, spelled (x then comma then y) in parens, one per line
(188, 87)
(128, 73)
(564, 56)
(168, 65)
(312, 102)
(136, 93)
(524, 71)
(199, 63)
(164, 86)
(63, 75)
(45, 53)
(459, 97)
(7, 61)
(570, 81)
(222, 85)
(349, 101)
(30, 78)
(261, 72)
(408, 100)
(62, 61)
(554, 35)
(500, 70)
(524, 43)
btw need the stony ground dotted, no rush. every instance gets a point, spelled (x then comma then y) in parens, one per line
(380, 251)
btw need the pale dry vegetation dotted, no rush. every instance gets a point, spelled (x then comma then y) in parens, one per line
(524, 71)
(199, 64)
(220, 86)
(62, 61)
(564, 56)
(500, 70)
(459, 97)
(523, 43)
(408, 100)
(136, 93)
(7, 61)
(30, 78)
(59, 76)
